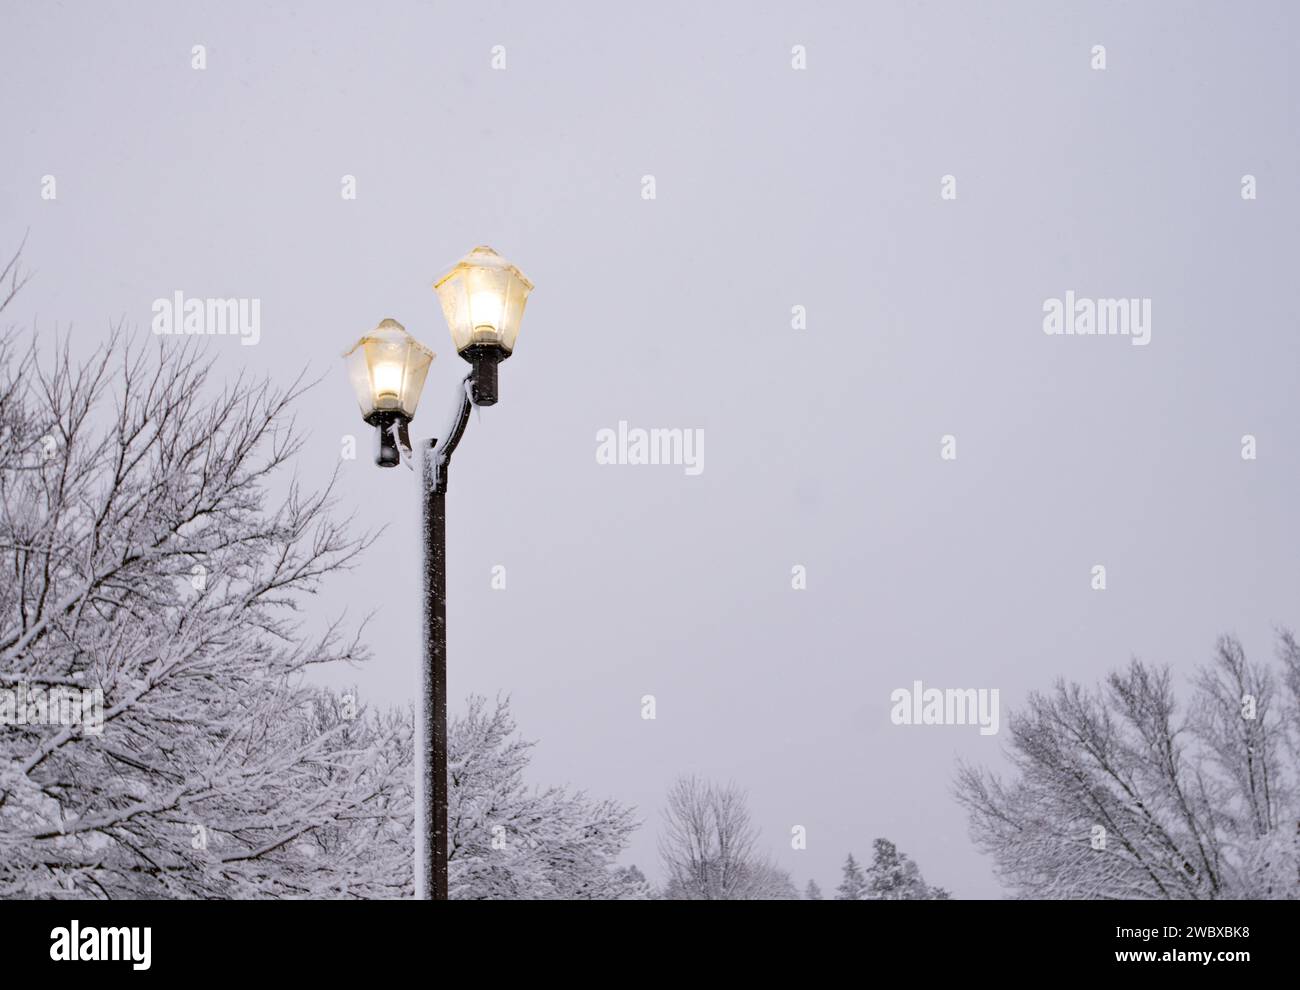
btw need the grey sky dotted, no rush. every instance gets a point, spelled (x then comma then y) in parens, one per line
(775, 188)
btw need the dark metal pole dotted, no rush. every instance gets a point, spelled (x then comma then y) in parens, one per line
(433, 829)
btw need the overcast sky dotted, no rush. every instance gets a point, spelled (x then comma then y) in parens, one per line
(774, 188)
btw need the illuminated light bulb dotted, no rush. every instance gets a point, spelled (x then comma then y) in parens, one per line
(388, 383)
(485, 311)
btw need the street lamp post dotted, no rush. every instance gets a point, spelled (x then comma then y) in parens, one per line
(483, 298)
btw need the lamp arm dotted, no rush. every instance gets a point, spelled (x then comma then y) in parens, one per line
(439, 453)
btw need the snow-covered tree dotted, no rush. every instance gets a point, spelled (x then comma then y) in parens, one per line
(708, 844)
(812, 892)
(508, 841)
(763, 880)
(632, 884)
(367, 852)
(854, 885)
(894, 876)
(144, 558)
(1120, 793)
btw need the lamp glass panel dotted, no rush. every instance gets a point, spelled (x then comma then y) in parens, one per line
(483, 299)
(387, 368)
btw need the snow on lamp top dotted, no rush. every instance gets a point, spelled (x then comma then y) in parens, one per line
(387, 368)
(483, 299)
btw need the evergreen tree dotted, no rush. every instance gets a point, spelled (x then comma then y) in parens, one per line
(854, 884)
(894, 876)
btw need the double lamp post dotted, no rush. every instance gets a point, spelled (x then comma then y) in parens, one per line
(483, 299)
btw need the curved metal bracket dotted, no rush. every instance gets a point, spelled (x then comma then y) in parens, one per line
(439, 454)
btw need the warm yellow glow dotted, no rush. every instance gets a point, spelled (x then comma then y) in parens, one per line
(387, 382)
(485, 310)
